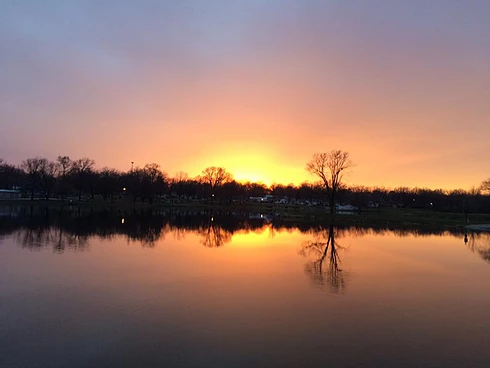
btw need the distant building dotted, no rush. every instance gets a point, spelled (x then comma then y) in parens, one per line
(9, 194)
(347, 207)
(283, 201)
(264, 199)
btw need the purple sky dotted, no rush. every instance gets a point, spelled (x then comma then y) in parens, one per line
(255, 86)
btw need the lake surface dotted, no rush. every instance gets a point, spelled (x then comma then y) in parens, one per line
(113, 289)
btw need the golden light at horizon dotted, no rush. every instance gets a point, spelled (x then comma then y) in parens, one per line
(254, 87)
(255, 164)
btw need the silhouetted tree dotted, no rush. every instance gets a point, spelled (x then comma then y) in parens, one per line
(277, 190)
(255, 189)
(214, 177)
(10, 176)
(153, 181)
(232, 190)
(132, 182)
(485, 186)
(48, 172)
(81, 170)
(39, 176)
(181, 176)
(64, 168)
(330, 168)
(310, 192)
(179, 185)
(144, 183)
(189, 188)
(358, 196)
(109, 183)
(32, 168)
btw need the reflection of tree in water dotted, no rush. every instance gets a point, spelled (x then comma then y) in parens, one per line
(56, 237)
(214, 236)
(479, 243)
(37, 237)
(73, 228)
(145, 228)
(324, 247)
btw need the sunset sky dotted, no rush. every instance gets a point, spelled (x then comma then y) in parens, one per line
(254, 86)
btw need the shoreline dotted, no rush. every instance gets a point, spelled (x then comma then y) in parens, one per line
(398, 217)
(479, 227)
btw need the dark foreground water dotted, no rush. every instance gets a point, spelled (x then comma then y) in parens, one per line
(221, 290)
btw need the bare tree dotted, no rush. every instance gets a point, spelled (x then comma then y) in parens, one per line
(109, 183)
(81, 170)
(485, 186)
(32, 167)
(475, 191)
(64, 164)
(215, 177)
(153, 172)
(10, 175)
(330, 168)
(183, 186)
(180, 176)
(48, 172)
(153, 180)
(64, 168)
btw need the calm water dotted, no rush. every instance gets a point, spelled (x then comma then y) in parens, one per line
(207, 290)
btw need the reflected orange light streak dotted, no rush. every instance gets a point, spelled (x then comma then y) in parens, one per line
(264, 237)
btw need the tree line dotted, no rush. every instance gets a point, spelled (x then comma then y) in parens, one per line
(79, 179)
(74, 226)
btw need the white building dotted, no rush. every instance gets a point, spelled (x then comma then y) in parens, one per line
(347, 207)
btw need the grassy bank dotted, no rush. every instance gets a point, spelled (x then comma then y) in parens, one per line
(385, 217)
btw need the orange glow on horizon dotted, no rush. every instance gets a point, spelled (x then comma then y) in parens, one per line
(251, 163)
(256, 87)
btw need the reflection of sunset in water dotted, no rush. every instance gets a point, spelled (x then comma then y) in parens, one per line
(232, 285)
